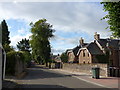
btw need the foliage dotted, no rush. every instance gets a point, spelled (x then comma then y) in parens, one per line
(27, 57)
(24, 48)
(41, 34)
(103, 58)
(5, 33)
(8, 48)
(10, 62)
(113, 17)
(24, 45)
(5, 36)
(11, 59)
(64, 57)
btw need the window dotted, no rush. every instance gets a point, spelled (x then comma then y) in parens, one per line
(88, 54)
(84, 62)
(83, 53)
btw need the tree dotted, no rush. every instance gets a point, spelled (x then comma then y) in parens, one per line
(5, 35)
(41, 34)
(24, 46)
(64, 57)
(113, 17)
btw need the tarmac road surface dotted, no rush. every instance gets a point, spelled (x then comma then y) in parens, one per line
(40, 77)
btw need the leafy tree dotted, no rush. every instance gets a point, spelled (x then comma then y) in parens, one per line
(41, 34)
(24, 45)
(113, 17)
(8, 48)
(64, 57)
(5, 35)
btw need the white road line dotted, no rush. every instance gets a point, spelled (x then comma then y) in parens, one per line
(90, 82)
(82, 79)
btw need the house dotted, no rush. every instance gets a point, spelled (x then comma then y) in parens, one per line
(72, 53)
(112, 46)
(87, 54)
(99, 51)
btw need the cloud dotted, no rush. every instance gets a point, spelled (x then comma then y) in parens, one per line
(65, 17)
(15, 39)
(21, 31)
(15, 1)
(68, 17)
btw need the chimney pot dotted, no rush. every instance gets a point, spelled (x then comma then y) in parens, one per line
(96, 36)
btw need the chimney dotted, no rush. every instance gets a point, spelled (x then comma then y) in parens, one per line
(81, 41)
(96, 36)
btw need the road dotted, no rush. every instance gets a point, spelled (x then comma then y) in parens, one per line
(40, 77)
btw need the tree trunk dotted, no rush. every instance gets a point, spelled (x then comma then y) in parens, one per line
(46, 64)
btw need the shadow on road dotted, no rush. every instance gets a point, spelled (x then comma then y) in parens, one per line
(38, 86)
(39, 72)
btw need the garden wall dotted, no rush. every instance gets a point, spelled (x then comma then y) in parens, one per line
(86, 68)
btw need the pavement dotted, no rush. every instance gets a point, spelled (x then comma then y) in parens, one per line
(105, 82)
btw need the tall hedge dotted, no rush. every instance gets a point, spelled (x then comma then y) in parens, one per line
(11, 59)
(10, 62)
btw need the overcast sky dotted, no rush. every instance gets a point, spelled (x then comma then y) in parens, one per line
(71, 20)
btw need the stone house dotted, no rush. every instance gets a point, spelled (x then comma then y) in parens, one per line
(112, 46)
(106, 48)
(87, 54)
(72, 53)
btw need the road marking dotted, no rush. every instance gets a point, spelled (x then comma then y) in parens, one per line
(66, 72)
(90, 82)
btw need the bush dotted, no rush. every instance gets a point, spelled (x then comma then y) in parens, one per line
(64, 57)
(10, 62)
(11, 59)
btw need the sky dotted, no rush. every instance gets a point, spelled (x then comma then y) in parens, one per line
(70, 20)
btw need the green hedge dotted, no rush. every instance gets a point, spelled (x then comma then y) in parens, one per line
(11, 59)
(10, 62)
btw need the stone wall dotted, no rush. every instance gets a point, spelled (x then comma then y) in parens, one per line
(86, 68)
(20, 67)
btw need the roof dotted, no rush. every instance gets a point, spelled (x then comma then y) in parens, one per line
(76, 49)
(69, 51)
(113, 43)
(84, 44)
(94, 49)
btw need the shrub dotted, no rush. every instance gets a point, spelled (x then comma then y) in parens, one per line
(11, 59)
(10, 62)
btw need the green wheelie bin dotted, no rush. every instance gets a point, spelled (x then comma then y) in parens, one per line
(96, 72)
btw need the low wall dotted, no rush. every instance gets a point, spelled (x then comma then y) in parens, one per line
(86, 68)
(20, 66)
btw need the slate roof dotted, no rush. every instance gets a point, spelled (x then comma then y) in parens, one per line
(84, 45)
(76, 49)
(94, 49)
(113, 43)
